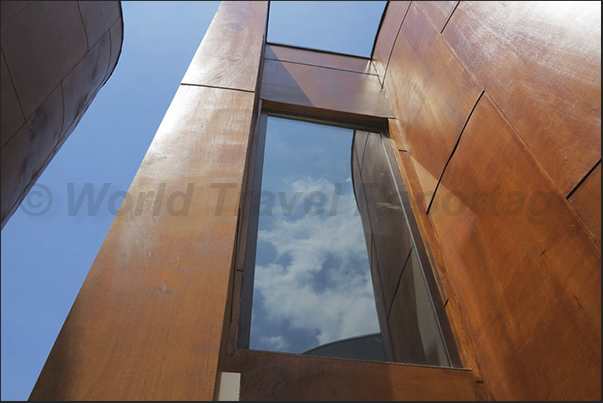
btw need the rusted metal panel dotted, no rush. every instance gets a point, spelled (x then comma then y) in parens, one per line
(438, 11)
(82, 83)
(279, 376)
(541, 65)
(394, 15)
(323, 88)
(116, 42)
(431, 94)
(587, 201)
(27, 153)
(524, 267)
(51, 72)
(317, 58)
(12, 115)
(229, 55)
(148, 320)
(11, 8)
(42, 44)
(98, 18)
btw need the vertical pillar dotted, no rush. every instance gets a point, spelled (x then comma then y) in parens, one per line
(148, 320)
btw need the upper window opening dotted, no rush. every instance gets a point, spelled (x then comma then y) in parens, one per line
(347, 27)
(334, 264)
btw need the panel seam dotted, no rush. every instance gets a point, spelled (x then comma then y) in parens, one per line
(450, 17)
(570, 194)
(15, 88)
(84, 25)
(19, 12)
(454, 150)
(322, 67)
(219, 88)
(391, 52)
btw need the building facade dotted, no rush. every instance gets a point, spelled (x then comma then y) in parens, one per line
(55, 58)
(486, 115)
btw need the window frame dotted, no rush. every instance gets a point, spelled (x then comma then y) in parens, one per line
(247, 230)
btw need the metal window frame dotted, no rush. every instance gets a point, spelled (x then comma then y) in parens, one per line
(246, 244)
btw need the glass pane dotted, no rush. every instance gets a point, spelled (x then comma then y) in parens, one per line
(410, 326)
(313, 290)
(340, 270)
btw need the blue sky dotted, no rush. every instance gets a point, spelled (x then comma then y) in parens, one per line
(45, 258)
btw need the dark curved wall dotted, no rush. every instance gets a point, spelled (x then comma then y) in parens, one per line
(55, 58)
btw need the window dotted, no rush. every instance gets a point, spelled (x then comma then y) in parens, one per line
(332, 265)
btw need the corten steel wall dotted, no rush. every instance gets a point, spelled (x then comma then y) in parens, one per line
(332, 86)
(55, 58)
(498, 127)
(147, 323)
(157, 316)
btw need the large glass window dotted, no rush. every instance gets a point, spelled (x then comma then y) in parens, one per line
(334, 268)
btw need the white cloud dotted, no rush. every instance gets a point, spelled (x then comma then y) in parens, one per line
(277, 343)
(346, 307)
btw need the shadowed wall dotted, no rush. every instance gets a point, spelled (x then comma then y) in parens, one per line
(55, 58)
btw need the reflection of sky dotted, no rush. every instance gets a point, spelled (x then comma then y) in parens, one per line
(312, 281)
